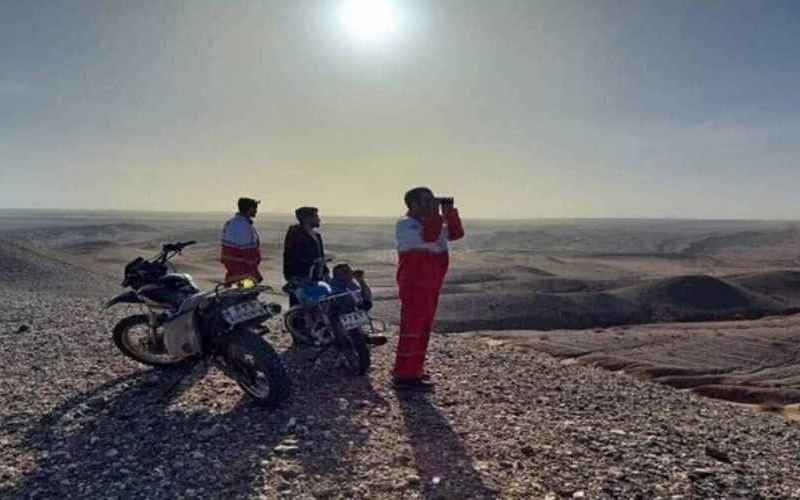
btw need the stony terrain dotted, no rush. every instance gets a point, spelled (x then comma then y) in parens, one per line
(79, 420)
(747, 362)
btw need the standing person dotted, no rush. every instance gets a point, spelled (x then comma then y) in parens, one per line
(241, 245)
(422, 237)
(303, 247)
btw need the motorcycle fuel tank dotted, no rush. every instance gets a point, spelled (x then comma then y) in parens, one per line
(312, 293)
(170, 290)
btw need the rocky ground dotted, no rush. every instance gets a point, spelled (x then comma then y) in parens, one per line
(78, 420)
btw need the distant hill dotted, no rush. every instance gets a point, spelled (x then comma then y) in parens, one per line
(675, 299)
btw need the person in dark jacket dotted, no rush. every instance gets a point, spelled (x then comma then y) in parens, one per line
(302, 248)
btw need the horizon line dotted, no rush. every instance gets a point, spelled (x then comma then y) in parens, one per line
(333, 215)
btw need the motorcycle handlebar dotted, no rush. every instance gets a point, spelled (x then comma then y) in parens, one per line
(177, 247)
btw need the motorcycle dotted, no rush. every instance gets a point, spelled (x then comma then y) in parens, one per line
(183, 324)
(324, 320)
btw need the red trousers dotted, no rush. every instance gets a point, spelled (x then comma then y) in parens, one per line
(236, 271)
(420, 280)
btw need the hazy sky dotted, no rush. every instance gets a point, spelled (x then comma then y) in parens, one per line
(517, 108)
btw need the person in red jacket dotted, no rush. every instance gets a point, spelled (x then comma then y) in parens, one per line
(241, 245)
(423, 259)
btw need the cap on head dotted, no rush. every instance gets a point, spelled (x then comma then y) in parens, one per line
(341, 270)
(303, 213)
(415, 195)
(246, 204)
(341, 267)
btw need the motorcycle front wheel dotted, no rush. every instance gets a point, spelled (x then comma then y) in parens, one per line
(136, 339)
(295, 323)
(256, 367)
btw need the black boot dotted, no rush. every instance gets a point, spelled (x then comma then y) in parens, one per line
(376, 340)
(412, 384)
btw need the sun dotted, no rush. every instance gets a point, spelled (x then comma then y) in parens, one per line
(369, 20)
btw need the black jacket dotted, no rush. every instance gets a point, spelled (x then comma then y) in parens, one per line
(300, 250)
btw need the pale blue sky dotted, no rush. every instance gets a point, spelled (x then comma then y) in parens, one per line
(517, 108)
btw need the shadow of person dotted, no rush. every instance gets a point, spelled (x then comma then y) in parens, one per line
(129, 438)
(337, 410)
(443, 463)
(146, 435)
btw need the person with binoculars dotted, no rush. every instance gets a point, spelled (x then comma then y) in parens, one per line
(423, 259)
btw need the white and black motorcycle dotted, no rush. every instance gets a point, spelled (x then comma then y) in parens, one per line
(182, 324)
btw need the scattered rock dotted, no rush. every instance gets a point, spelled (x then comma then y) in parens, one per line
(210, 432)
(718, 454)
(701, 473)
(324, 492)
(413, 480)
(287, 449)
(289, 473)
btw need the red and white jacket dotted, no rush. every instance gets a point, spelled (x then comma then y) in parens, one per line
(422, 247)
(241, 248)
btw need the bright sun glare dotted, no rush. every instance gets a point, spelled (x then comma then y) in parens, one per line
(369, 20)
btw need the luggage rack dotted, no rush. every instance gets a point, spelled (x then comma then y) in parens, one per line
(230, 288)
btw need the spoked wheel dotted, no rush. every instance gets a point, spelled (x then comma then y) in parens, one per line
(137, 340)
(353, 348)
(257, 368)
(295, 323)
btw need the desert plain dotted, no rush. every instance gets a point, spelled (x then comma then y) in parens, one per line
(574, 358)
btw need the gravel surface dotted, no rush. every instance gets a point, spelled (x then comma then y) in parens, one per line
(79, 420)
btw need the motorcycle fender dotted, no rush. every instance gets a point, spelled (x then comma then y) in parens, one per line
(125, 298)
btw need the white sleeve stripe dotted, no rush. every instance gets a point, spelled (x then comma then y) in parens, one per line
(409, 237)
(237, 234)
(239, 246)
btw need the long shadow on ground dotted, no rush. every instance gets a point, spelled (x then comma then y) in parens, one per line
(338, 409)
(443, 463)
(135, 436)
(122, 439)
